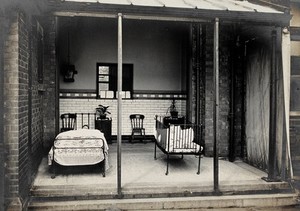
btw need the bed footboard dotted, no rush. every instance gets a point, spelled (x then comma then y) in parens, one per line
(78, 148)
(178, 139)
(54, 165)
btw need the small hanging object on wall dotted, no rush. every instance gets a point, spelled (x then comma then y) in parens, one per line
(69, 72)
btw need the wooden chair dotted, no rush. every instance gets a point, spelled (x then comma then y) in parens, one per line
(137, 126)
(68, 122)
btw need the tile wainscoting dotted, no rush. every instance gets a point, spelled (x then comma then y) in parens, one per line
(148, 107)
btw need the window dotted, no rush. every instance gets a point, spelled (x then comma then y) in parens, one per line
(107, 80)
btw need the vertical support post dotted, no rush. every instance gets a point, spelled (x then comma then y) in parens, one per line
(273, 111)
(57, 107)
(119, 103)
(198, 49)
(286, 68)
(216, 106)
(2, 158)
(273, 114)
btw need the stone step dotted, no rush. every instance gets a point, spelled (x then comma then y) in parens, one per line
(87, 192)
(179, 203)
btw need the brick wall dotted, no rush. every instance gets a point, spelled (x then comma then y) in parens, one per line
(24, 163)
(22, 141)
(239, 100)
(37, 97)
(11, 102)
(224, 88)
(149, 108)
(50, 83)
(3, 185)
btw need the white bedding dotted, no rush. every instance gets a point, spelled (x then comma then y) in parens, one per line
(79, 147)
(180, 140)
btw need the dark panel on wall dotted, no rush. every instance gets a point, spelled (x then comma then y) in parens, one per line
(295, 94)
(295, 65)
(107, 78)
(295, 83)
(295, 33)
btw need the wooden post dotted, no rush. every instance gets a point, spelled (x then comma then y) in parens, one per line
(119, 103)
(216, 106)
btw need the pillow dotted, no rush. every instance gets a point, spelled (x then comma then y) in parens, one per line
(81, 133)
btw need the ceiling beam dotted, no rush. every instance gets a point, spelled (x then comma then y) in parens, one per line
(169, 14)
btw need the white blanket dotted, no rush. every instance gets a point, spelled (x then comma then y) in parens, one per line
(79, 147)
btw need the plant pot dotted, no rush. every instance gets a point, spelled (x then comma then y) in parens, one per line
(102, 116)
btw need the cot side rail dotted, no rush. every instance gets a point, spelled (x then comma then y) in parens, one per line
(178, 139)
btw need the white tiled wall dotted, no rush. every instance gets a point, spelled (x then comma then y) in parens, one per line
(149, 108)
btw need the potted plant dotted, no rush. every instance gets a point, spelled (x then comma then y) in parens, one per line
(101, 112)
(173, 110)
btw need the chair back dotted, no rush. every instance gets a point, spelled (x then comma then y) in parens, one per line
(137, 121)
(68, 122)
